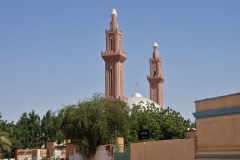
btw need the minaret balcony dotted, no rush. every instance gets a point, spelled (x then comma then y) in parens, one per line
(156, 79)
(114, 56)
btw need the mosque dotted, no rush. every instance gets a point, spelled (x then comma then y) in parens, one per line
(114, 58)
(217, 119)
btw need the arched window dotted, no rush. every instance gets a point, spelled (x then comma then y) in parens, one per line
(111, 80)
(111, 43)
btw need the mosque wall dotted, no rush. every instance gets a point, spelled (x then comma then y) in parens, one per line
(178, 149)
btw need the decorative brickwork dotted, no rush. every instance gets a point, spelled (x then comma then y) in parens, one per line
(114, 59)
(156, 78)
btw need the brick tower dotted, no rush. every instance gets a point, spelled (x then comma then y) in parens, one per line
(114, 59)
(156, 78)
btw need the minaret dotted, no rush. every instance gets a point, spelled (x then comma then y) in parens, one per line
(114, 59)
(156, 78)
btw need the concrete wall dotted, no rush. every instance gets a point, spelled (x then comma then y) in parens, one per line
(50, 149)
(101, 154)
(218, 102)
(223, 159)
(219, 159)
(218, 128)
(23, 154)
(218, 136)
(60, 152)
(70, 150)
(56, 150)
(190, 134)
(179, 149)
(39, 153)
(219, 131)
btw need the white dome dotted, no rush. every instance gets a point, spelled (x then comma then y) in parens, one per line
(114, 11)
(155, 45)
(137, 97)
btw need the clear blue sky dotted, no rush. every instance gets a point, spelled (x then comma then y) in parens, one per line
(50, 51)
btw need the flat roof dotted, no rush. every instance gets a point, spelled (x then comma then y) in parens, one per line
(218, 97)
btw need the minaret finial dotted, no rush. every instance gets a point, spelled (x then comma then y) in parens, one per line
(155, 38)
(136, 87)
(114, 3)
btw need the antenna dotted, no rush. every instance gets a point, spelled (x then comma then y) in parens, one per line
(114, 3)
(136, 87)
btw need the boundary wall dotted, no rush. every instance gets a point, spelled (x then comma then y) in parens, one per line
(178, 149)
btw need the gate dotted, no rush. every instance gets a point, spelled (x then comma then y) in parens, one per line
(121, 152)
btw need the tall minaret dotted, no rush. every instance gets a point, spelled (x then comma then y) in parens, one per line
(156, 78)
(114, 59)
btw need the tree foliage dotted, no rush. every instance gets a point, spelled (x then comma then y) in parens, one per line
(162, 123)
(98, 121)
(51, 128)
(94, 122)
(89, 123)
(27, 130)
(31, 131)
(5, 144)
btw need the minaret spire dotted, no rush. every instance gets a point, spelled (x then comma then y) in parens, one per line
(114, 23)
(114, 58)
(156, 77)
(155, 50)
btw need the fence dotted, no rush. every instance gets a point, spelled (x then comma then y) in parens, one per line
(121, 152)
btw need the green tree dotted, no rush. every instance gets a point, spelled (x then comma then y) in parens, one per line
(5, 144)
(28, 130)
(7, 131)
(51, 128)
(162, 123)
(5, 126)
(16, 144)
(94, 122)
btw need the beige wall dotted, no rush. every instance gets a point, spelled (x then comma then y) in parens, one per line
(219, 131)
(40, 153)
(56, 150)
(23, 154)
(70, 148)
(179, 149)
(219, 159)
(218, 135)
(219, 102)
(190, 134)
(101, 154)
(60, 152)
(50, 149)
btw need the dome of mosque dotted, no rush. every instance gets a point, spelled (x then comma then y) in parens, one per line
(155, 45)
(136, 98)
(136, 94)
(114, 11)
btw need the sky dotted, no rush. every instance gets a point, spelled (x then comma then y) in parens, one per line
(50, 51)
